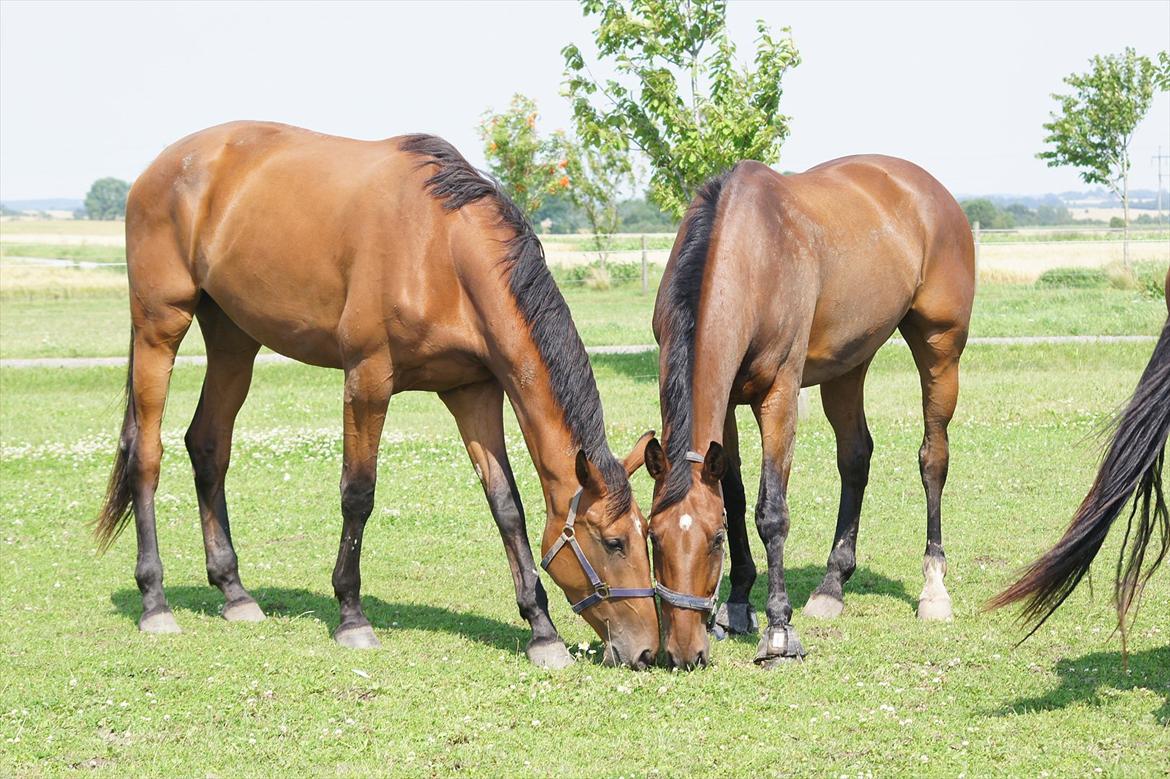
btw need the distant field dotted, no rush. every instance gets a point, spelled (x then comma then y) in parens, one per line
(20, 227)
(66, 312)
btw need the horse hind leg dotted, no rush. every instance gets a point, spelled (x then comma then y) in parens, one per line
(936, 346)
(161, 312)
(843, 402)
(230, 356)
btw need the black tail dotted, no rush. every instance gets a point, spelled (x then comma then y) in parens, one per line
(119, 492)
(1132, 467)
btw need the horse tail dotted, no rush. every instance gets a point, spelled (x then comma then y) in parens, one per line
(1132, 466)
(115, 510)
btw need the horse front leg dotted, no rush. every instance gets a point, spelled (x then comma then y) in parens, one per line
(776, 415)
(478, 411)
(368, 386)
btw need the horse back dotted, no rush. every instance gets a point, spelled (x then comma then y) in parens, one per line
(319, 247)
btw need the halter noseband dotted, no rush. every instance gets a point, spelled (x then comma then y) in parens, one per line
(693, 602)
(601, 590)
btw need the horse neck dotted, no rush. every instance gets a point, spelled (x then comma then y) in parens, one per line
(516, 361)
(719, 348)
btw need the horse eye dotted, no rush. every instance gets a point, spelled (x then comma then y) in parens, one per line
(717, 541)
(615, 544)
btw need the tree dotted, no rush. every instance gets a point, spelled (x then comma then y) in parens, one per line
(597, 174)
(107, 199)
(1094, 125)
(987, 214)
(730, 113)
(528, 167)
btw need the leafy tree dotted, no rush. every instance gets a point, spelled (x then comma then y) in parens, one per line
(639, 215)
(987, 214)
(107, 199)
(597, 174)
(528, 167)
(1094, 125)
(729, 113)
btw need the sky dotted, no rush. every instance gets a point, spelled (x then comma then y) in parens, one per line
(91, 89)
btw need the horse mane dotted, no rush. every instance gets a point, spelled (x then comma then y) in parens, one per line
(455, 183)
(681, 317)
(1131, 468)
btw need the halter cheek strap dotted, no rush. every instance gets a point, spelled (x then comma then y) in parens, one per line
(693, 602)
(601, 590)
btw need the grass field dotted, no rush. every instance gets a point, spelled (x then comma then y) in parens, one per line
(450, 692)
(62, 312)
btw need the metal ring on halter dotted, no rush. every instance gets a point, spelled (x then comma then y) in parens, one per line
(694, 602)
(601, 590)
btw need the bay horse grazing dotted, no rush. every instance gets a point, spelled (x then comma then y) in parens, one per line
(1131, 468)
(398, 263)
(777, 283)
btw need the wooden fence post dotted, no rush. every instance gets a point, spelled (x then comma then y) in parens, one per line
(645, 270)
(975, 229)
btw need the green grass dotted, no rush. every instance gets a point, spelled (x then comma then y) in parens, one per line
(84, 313)
(451, 693)
(81, 252)
(61, 227)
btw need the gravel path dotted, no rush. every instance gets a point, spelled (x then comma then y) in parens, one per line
(102, 362)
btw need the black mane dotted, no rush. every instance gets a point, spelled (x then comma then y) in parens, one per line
(455, 183)
(682, 313)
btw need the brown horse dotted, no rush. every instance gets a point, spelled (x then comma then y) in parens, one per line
(1131, 468)
(398, 263)
(777, 283)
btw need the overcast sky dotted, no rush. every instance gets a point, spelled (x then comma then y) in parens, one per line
(90, 90)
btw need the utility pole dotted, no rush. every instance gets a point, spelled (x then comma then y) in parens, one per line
(1157, 159)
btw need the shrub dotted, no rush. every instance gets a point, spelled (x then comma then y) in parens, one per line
(1082, 278)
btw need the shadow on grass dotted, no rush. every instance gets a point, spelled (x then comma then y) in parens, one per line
(1083, 678)
(383, 615)
(802, 581)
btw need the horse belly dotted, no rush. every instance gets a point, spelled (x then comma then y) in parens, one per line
(293, 308)
(857, 311)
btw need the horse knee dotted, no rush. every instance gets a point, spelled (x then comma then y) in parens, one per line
(357, 496)
(772, 521)
(853, 464)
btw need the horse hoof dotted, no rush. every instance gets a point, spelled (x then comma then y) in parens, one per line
(549, 654)
(821, 606)
(772, 663)
(936, 609)
(778, 645)
(159, 622)
(243, 611)
(360, 637)
(737, 618)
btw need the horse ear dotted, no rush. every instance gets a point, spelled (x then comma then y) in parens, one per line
(656, 463)
(588, 475)
(637, 455)
(714, 464)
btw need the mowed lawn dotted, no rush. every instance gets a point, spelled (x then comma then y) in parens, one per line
(450, 692)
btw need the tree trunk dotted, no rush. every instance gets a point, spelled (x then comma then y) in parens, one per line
(1125, 218)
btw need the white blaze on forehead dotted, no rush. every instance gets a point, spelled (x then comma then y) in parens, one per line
(685, 521)
(637, 526)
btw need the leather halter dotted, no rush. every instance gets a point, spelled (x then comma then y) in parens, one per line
(601, 590)
(693, 602)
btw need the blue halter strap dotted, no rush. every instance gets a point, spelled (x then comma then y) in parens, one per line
(601, 590)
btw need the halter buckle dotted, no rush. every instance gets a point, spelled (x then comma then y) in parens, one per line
(602, 589)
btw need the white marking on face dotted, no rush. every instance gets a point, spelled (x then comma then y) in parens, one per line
(685, 521)
(638, 527)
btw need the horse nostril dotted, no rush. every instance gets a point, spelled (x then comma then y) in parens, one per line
(701, 660)
(644, 661)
